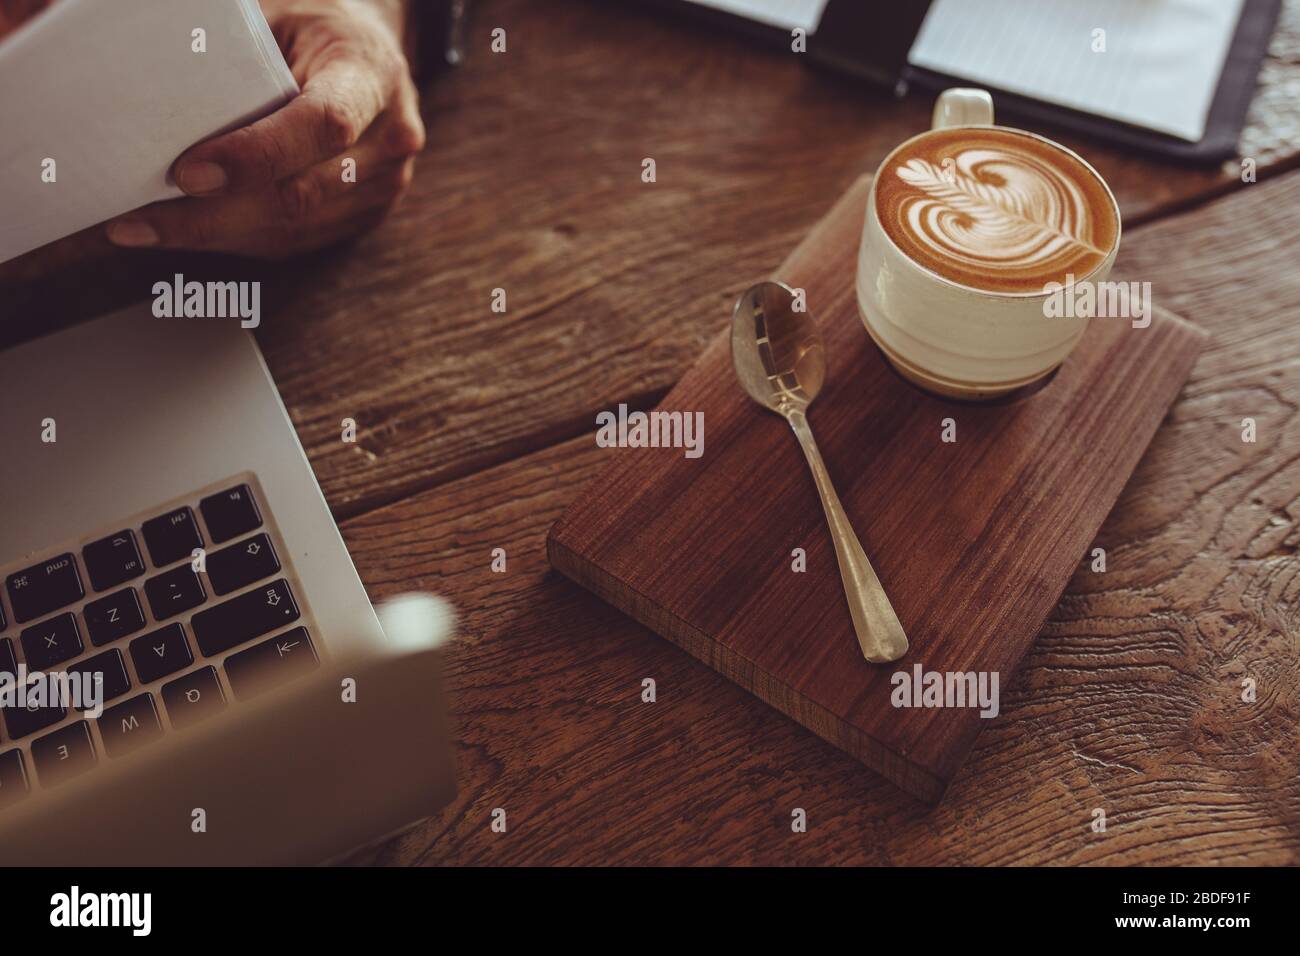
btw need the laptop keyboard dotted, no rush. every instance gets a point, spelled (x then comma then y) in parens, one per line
(174, 640)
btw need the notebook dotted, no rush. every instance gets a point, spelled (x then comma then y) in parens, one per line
(97, 100)
(1173, 77)
(1153, 64)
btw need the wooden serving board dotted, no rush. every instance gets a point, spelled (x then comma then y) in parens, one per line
(974, 540)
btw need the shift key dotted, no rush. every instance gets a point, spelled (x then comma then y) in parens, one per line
(241, 619)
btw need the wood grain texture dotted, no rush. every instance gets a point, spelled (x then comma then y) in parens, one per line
(1128, 702)
(531, 183)
(973, 539)
(1130, 699)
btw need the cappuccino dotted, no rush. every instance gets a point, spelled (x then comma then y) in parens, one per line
(995, 210)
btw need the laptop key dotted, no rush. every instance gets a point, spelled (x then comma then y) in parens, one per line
(271, 663)
(130, 725)
(22, 720)
(13, 778)
(113, 560)
(51, 642)
(172, 536)
(174, 591)
(113, 617)
(194, 698)
(241, 564)
(245, 617)
(230, 513)
(112, 667)
(44, 588)
(8, 662)
(64, 754)
(160, 653)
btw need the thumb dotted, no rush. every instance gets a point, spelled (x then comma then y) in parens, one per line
(337, 104)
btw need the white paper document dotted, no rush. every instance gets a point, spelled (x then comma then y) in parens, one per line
(1159, 69)
(99, 97)
(786, 14)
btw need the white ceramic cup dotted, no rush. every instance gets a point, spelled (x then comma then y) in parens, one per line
(950, 338)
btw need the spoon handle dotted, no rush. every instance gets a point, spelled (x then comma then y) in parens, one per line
(879, 632)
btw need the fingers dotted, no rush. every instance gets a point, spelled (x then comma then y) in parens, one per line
(317, 197)
(406, 134)
(299, 213)
(241, 224)
(330, 163)
(337, 105)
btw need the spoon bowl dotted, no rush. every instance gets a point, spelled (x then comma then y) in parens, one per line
(777, 352)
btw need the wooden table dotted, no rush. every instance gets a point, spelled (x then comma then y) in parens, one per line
(476, 429)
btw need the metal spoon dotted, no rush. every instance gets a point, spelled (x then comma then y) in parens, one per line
(781, 364)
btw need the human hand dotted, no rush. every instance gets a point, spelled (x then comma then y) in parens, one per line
(276, 187)
(14, 13)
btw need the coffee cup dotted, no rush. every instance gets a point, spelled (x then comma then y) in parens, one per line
(970, 229)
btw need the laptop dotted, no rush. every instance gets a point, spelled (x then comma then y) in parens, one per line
(164, 547)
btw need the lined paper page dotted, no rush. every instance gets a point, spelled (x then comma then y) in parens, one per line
(786, 14)
(1160, 68)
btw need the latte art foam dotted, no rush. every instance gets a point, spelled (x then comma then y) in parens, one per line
(995, 209)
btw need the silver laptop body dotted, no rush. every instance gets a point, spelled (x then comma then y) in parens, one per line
(296, 730)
